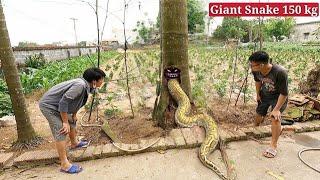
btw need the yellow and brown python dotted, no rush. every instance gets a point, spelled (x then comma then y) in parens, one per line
(182, 118)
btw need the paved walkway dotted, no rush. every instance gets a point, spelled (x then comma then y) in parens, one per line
(184, 163)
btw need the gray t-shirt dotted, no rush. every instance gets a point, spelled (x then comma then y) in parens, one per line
(68, 96)
(274, 83)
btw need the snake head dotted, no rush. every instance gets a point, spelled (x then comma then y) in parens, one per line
(172, 73)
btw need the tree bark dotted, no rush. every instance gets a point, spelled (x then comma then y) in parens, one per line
(25, 130)
(174, 49)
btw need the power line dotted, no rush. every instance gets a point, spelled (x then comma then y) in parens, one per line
(74, 27)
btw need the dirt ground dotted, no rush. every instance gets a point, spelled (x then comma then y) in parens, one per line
(127, 129)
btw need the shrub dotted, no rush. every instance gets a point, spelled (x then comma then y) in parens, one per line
(36, 61)
(5, 105)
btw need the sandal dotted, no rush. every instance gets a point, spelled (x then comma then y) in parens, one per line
(270, 153)
(81, 144)
(74, 169)
(286, 122)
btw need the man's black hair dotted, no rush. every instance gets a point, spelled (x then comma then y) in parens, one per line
(92, 74)
(259, 57)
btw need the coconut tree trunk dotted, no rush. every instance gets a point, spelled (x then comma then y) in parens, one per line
(174, 49)
(25, 130)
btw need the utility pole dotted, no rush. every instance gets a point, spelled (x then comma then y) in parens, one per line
(75, 31)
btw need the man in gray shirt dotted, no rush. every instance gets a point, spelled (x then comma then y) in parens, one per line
(271, 82)
(60, 106)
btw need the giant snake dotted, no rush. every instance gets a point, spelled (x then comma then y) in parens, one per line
(183, 118)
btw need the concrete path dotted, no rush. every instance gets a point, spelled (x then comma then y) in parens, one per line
(184, 164)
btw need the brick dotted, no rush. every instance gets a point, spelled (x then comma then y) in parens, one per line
(128, 149)
(109, 150)
(75, 155)
(297, 128)
(248, 131)
(199, 133)
(233, 136)
(225, 136)
(265, 131)
(176, 134)
(190, 139)
(5, 158)
(257, 133)
(106, 150)
(169, 142)
(307, 127)
(316, 125)
(160, 145)
(134, 146)
(36, 157)
(143, 143)
(98, 151)
(88, 153)
(240, 135)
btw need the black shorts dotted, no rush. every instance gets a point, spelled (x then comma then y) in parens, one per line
(263, 106)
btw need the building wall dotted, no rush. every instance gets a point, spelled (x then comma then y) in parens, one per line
(52, 54)
(303, 32)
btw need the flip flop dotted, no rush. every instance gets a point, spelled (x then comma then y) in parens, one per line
(74, 169)
(270, 153)
(81, 144)
(286, 122)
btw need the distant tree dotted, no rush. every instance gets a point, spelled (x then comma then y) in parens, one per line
(196, 16)
(27, 44)
(144, 32)
(82, 43)
(279, 27)
(231, 27)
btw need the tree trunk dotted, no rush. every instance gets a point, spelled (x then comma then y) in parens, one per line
(174, 49)
(25, 130)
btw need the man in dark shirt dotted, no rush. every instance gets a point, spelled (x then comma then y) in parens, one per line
(271, 82)
(60, 106)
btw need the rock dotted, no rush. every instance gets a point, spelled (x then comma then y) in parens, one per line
(6, 121)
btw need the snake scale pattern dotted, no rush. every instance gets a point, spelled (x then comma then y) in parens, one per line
(181, 117)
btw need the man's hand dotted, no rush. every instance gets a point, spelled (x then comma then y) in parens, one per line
(65, 128)
(276, 114)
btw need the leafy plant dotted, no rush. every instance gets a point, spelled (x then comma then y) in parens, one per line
(221, 87)
(56, 72)
(113, 109)
(35, 61)
(5, 105)
(198, 94)
(3, 86)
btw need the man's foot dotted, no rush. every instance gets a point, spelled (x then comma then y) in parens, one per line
(81, 144)
(73, 169)
(270, 152)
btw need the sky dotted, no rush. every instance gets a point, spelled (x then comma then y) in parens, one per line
(47, 21)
